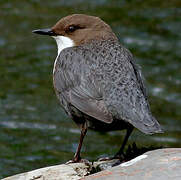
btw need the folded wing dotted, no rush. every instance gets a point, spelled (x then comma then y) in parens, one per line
(75, 79)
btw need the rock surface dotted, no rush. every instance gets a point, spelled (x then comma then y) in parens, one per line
(161, 164)
(60, 172)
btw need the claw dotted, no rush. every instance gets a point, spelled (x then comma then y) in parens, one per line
(105, 158)
(78, 161)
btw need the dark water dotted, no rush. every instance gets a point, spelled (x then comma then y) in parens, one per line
(34, 131)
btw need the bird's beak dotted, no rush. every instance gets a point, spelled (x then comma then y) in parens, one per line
(44, 32)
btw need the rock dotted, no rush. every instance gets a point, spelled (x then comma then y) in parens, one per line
(72, 171)
(161, 164)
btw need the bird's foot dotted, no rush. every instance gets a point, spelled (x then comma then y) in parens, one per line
(121, 157)
(108, 162)
(106, 158)
(78, 160)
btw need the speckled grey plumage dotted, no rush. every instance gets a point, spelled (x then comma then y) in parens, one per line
(99, 82)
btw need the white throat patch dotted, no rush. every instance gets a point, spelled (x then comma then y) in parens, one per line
(62, 43)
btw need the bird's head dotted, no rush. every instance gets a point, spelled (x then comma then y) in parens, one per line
(78, 29)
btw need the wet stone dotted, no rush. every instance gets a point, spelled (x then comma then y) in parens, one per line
(160, 164)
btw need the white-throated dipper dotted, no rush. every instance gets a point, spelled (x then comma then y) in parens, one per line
(96, 79)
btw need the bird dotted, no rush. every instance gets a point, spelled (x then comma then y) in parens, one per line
(97, 81)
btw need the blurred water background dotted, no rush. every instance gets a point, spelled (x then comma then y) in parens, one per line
(34, 130)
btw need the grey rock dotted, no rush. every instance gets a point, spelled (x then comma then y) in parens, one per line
(72, 171)
(161, 164)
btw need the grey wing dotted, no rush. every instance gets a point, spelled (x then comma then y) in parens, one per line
(126, 98)
(75, 80)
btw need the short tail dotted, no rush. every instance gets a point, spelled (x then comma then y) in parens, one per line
(151, 128)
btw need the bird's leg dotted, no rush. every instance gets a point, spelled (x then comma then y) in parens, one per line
(77, 157)
(120, 152)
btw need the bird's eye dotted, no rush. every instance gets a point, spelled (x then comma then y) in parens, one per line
(71, 28)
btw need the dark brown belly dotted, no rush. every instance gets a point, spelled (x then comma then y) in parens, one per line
(80, 118)
(97, 125)
(104, 127)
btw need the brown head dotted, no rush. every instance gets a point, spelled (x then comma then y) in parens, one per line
(80, 29)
